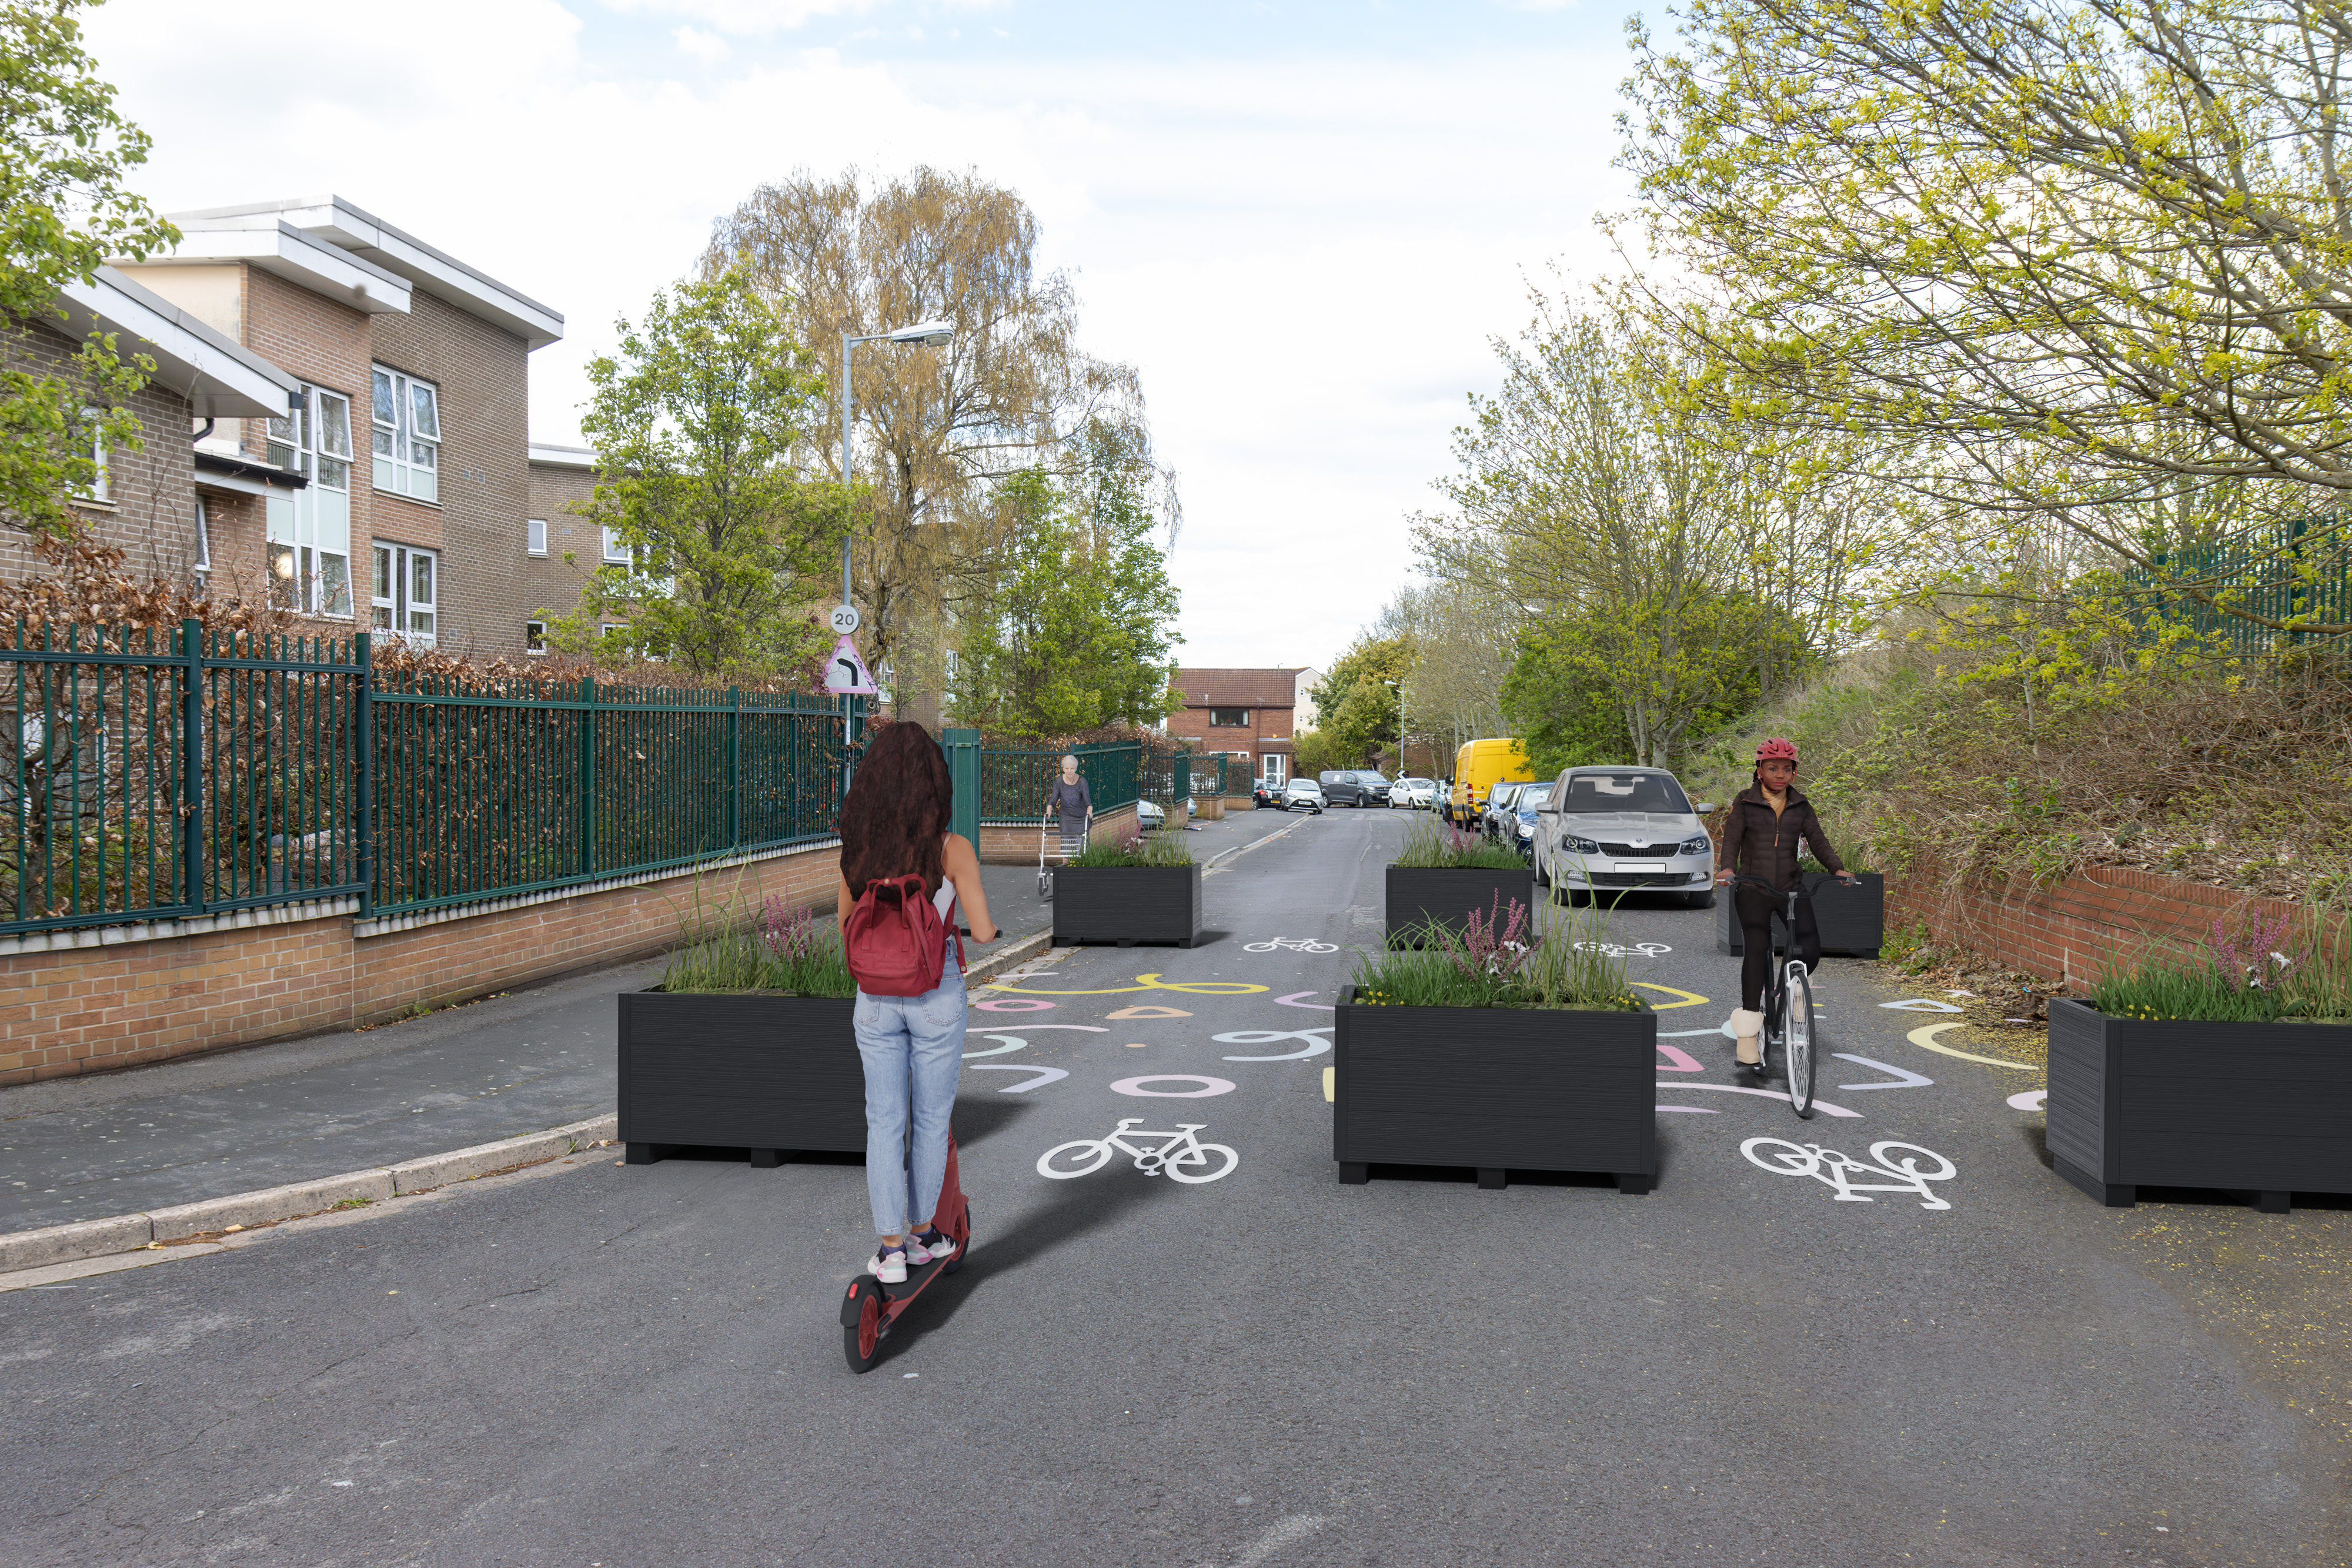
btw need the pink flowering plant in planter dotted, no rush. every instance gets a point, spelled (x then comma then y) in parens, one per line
(1495, 960)
(784, 950)
(2245, 973)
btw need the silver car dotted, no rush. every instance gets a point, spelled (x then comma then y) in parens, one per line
(1617, 829)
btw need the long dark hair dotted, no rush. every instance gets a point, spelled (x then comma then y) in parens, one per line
(896, 812)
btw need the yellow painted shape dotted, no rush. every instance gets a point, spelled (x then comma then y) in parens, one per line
(1330, 1085)
(1145, 983)
(1689, 998)
(1148, 1010)
(1925, 1036)
(1135, 1045)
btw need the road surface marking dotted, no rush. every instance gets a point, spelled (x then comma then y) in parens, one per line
(1684, 1087)
(1689, 998)
(1904, 1077)
(1926, 1034)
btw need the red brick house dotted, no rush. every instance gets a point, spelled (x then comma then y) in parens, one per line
(1248, 713)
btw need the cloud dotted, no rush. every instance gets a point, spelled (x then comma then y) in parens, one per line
(755, 18)
(1304, 256)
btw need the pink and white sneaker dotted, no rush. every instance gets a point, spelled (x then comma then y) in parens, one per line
(938, 1250)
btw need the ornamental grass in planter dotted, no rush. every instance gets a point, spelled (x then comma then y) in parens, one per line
(2230, 1069)
(1128, 889)
(1480, 1048)
(745, 1042)
(1442, 876)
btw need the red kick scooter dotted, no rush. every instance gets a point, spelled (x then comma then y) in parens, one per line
(871, 1307)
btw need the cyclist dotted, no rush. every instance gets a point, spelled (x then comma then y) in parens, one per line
(1760, 835)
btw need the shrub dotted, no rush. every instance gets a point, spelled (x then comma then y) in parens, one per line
(1131, 847)
(1497, 960)
(1431, 844)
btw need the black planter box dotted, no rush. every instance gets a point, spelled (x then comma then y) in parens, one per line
(756, 1070)
(1497, 1089)
(1127, 905)
(1852, 920)
(2258, 1107)
(1417, 894)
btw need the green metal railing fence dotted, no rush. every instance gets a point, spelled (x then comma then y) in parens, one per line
(157, 775)
(1013, 780)
(2287, 573)
(160, 774)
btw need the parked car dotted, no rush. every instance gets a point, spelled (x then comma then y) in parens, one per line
(1303, 795)
(1495, 821)
(1526, 807)
(1148, 815)
(1262, 794)
(1614, 830)
(1417, 793)
(1476, 766)
(1356, 787)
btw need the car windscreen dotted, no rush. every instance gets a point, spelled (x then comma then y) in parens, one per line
(1591, 792)
(1532, 798)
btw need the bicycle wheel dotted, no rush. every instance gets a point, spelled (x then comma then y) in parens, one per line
(1087, 1155)
(1944, 1169)
(1797, 1031)
(1781, 1157)
(1198, 1155)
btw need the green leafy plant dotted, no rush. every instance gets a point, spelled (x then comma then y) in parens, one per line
(786, 950)
(1497, 960)
(2243, 975)
(1131, 847)
(1431, 844)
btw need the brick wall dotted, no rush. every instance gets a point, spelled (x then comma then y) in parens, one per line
(2074, 929)
(88, 1001)
(552, 583)
(482, 372)
(149, 510)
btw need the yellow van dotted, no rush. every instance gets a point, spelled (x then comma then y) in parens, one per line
(1478, 767)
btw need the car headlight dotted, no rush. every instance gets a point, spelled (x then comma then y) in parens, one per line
(1526, 830)
(1581, 846)
(1698, 845)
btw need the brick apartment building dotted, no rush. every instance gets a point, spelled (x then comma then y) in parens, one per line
(148, 502)
(396, 494)
(1250, 714)
(562, 479)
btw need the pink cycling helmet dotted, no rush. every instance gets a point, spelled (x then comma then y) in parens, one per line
(1776, 750)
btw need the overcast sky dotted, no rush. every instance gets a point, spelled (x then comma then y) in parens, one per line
(1301, 222)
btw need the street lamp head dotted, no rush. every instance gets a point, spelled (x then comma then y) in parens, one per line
(930, 334)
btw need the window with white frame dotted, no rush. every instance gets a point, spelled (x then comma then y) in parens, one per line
(534, 637)
(203, 561)
(407, 592)
(408, 435)
(616, 552)
(534, 536)
(101, 456)
(309, 535)
(1277, 771)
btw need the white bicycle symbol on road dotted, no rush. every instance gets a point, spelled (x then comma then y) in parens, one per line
(1183, 1156)
(1638, 950)
(1295, 944)
(1908, 1175)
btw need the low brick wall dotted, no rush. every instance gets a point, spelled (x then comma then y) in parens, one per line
(1015, 843)
(2072, 929)
(85, 1002)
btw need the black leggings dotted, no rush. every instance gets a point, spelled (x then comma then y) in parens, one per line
(1756, 909)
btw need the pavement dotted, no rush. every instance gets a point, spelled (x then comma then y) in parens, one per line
(641, 1364)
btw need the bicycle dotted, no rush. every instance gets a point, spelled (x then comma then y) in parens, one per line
(1182, 1156)
(1788, 1001)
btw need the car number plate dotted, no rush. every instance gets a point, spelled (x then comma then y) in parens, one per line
(1639, 865)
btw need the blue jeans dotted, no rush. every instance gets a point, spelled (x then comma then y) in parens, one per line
(917, 1042)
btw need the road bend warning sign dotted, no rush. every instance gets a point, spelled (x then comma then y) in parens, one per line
(846, 674)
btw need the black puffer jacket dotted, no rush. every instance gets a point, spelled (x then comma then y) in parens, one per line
(1757, 842)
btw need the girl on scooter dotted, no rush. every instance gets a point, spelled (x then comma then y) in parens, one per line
(1760, 835)
(895, 823)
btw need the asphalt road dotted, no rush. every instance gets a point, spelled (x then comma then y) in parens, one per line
(642, 1365)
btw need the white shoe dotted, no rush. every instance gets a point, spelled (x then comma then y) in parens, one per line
(889, 1265)
(919, 1252)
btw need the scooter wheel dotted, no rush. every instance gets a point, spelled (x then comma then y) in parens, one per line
(861, 1325)
(963, 1244)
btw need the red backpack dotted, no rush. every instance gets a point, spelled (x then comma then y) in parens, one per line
(895, 939)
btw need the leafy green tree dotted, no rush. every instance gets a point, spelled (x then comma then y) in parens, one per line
(694, 422)
(1357, 703)
(1081, 625)
(63, 153)
(2088, 261)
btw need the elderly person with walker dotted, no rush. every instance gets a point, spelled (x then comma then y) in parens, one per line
(1068, 798)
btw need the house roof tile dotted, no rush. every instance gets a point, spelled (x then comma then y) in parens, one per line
(1239, 688)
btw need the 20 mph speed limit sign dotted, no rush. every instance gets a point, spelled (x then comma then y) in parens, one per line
(845, 618)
